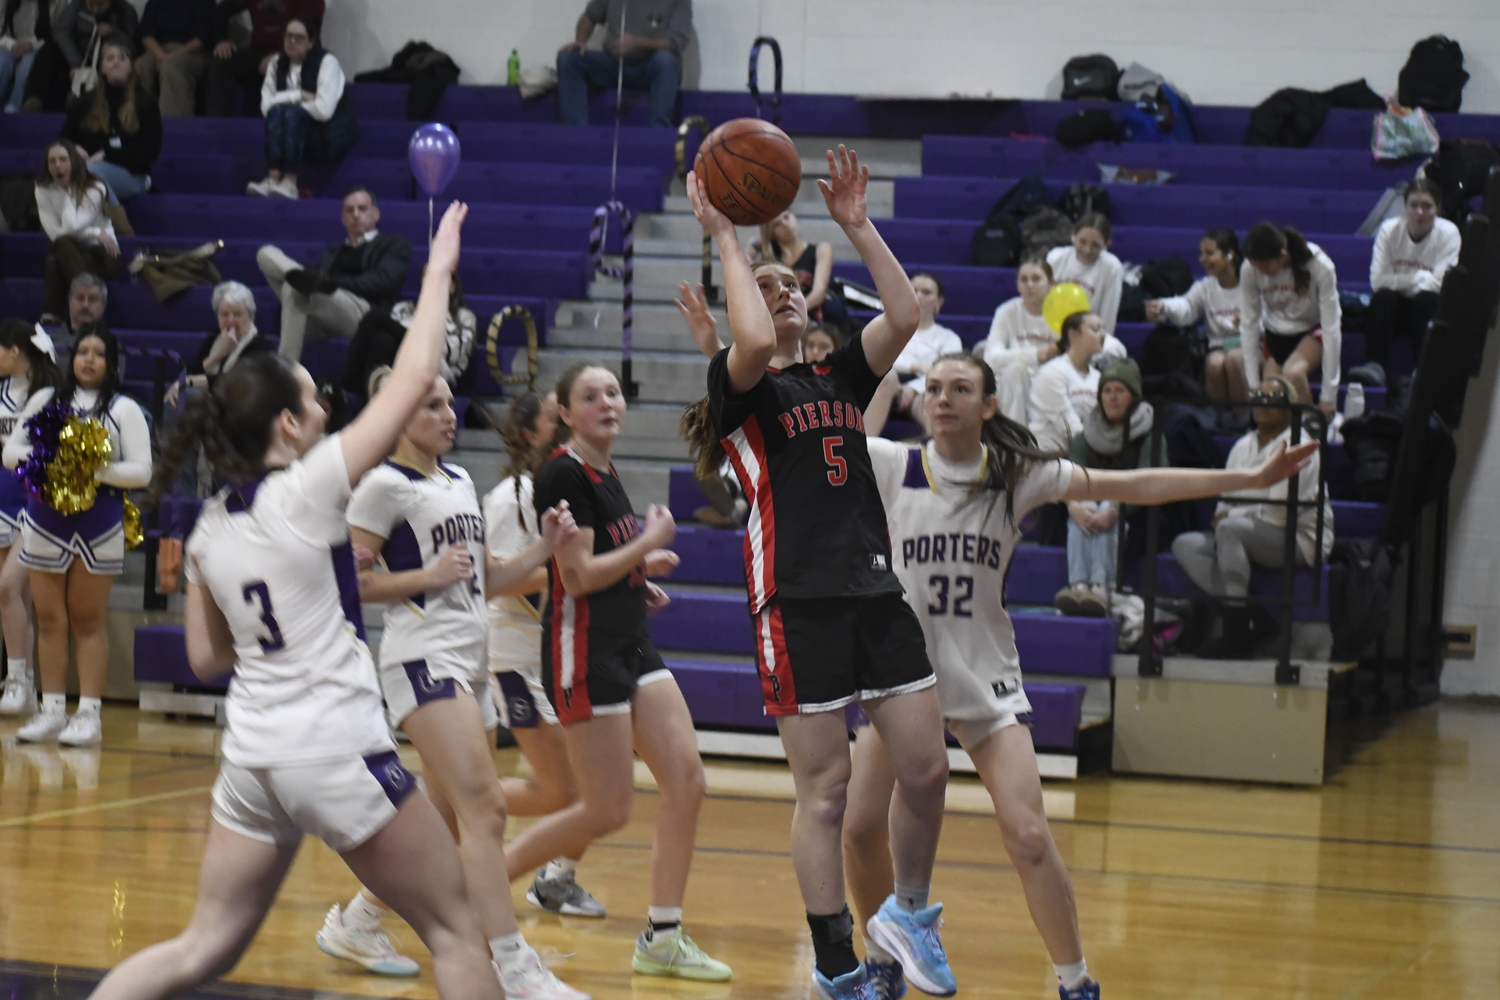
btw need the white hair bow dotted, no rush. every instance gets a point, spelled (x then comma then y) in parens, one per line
(43, 342)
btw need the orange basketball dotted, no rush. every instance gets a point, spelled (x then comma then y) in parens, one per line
(751, 170)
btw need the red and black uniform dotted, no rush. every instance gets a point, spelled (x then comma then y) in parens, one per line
(595, 647)
(831, 624)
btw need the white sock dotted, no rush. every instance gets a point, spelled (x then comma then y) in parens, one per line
(361, 914)
(878, 955)
(87, 705)
(16, 668)
(560, 868)
(55, 702)
(508, 950)
(659, 915)
(1071, 977)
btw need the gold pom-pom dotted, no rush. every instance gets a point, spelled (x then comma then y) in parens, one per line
(134, 535)
(83, 448)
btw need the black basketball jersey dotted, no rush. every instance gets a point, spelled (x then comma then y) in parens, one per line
(598, 501)
(816, 526)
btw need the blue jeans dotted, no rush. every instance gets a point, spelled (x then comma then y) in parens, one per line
(294, 137)
(123, 185)
(577, 71)
(1091, 558)
(13, 69)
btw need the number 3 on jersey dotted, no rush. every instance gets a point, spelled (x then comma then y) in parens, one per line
(962, 589)
(259, 594)
(838, 466)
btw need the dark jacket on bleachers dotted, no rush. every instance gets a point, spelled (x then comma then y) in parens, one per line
(383, 263)
(138, 150)
(178, 21)
(75, 23)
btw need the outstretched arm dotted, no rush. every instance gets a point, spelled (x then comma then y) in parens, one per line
(750, 324)
(1149, 487)
(887, 334)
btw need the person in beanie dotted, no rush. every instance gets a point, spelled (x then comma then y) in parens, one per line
(1116, 435)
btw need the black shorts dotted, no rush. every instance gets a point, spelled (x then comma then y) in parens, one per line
(820, 654)
(1279, 346)
(604, 678)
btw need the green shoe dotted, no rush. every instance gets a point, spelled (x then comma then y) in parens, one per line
(675, 954)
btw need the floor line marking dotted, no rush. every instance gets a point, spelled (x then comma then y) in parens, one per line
(180, 793)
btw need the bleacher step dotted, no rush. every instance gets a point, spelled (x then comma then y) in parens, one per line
(880, 197)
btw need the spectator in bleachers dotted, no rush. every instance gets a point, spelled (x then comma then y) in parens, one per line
(1066, 389)
(1243, 535)
(379, 336)
(70, 202)
(235, 339)
(364, 272)
(233, 66)
(1214, 300)
(24, 29)
(931, 341)
(1089, 264)
(650, 47)
(820, 341)
(780, 242)
(177, 36)
(1116, 435)
(117, 124)
(308, 118)
(73, 30)
(88, 296)
(1406, 270)
(1291, 295)
(1020, 341)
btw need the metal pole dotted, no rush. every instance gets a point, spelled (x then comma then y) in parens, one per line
(1285, 672)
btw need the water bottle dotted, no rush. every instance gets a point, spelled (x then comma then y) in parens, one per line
(513, 69)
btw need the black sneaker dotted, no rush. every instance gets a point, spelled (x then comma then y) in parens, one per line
(563, 895)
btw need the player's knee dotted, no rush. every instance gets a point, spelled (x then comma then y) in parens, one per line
(51, 617)
(609, 814)
(480, 802)
(828, 803)
(926, 775)
(1028, 842)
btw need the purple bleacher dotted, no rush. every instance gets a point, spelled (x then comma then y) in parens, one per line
(1198, 206)
(709, 555)
(970, 156)
(552, 184)
(161, 658)
(650, 148)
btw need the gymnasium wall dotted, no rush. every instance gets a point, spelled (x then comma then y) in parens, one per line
(1219, 53)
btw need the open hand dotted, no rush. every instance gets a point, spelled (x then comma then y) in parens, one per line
(713, 221)
(558, 526)
(1154, 310)
(453, 566)
(109, 244)
(443, 257)
(661, 562)
(1285, 462)
(224, 50)
(700, 320)
(844, 191)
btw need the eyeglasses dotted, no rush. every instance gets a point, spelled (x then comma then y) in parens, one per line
(296, 37)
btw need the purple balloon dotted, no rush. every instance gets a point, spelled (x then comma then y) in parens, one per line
(433, 153)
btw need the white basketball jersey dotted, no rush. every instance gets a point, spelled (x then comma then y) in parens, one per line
(951, 550)
(420, 516)
(277, 559)
(515, 641)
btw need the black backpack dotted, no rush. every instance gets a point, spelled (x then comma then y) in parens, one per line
(1166, 278)
(1079, 200)
(1371, 441)
(1093, 77)
(997, 241)
(1288, 117)
(1462, 167)
(1359, 595)
(1434, 76)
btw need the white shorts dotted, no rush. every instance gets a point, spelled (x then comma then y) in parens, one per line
(522, 700)
(1009, 709)
(341, 802)
(410, 685)
(10, 528)
(102, 556)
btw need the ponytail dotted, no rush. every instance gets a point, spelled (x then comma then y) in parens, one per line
(523, 458)
(697, 428)
(1267, 240)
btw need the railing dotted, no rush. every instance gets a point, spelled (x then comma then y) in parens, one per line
(775, 99)
(626, 273)
(701, 124)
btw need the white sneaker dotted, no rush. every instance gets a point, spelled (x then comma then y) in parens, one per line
(262, 188)
(370, 949)
(531, 980)
(82, 730)
(284, 188)
(43, 727)
(19, 697)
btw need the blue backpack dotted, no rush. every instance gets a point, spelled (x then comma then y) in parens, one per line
(1164, 118)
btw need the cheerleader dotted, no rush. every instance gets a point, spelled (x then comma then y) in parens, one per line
(515, 645)
(26, 367)
(831, 626)
(954, 506)
(607, 684)
(72, 560)
(273, 595)
(421, 517)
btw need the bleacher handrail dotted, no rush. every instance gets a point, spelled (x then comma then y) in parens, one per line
(701, 124)
(775, 99)
(625, 272)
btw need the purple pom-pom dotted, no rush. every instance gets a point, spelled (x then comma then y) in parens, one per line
(42, 429)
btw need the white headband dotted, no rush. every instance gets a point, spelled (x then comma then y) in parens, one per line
(43, 342)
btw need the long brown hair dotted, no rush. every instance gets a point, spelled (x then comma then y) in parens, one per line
(20, 334)
(79, 178)
(1267, 240)
(97, 119)
(524, 457)
(697, 428)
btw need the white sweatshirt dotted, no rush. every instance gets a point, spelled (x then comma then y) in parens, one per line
(1101, 279)
(1062, 397)
(1218, 307)
(130, 464)
(1015, 337)
(1248, 454)
(62, 216)
(324, 103)
(925, 346)
(1406, 266)
(1273, 305)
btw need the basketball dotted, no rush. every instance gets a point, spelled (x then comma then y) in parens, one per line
(751, 170)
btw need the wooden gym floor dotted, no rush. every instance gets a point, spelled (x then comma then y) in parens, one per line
(1383, 885)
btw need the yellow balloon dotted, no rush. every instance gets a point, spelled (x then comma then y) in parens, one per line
(1063, 301)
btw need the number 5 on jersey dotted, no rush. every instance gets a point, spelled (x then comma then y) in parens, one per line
(838, 466)
(258, 593)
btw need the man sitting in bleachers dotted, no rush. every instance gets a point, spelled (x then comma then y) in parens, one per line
(88, 296)
(234, 66)
(650, 45)
(175, 36)
(364, 272)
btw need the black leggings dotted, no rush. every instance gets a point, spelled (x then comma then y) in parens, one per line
(375, 343)
(1391, 315)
